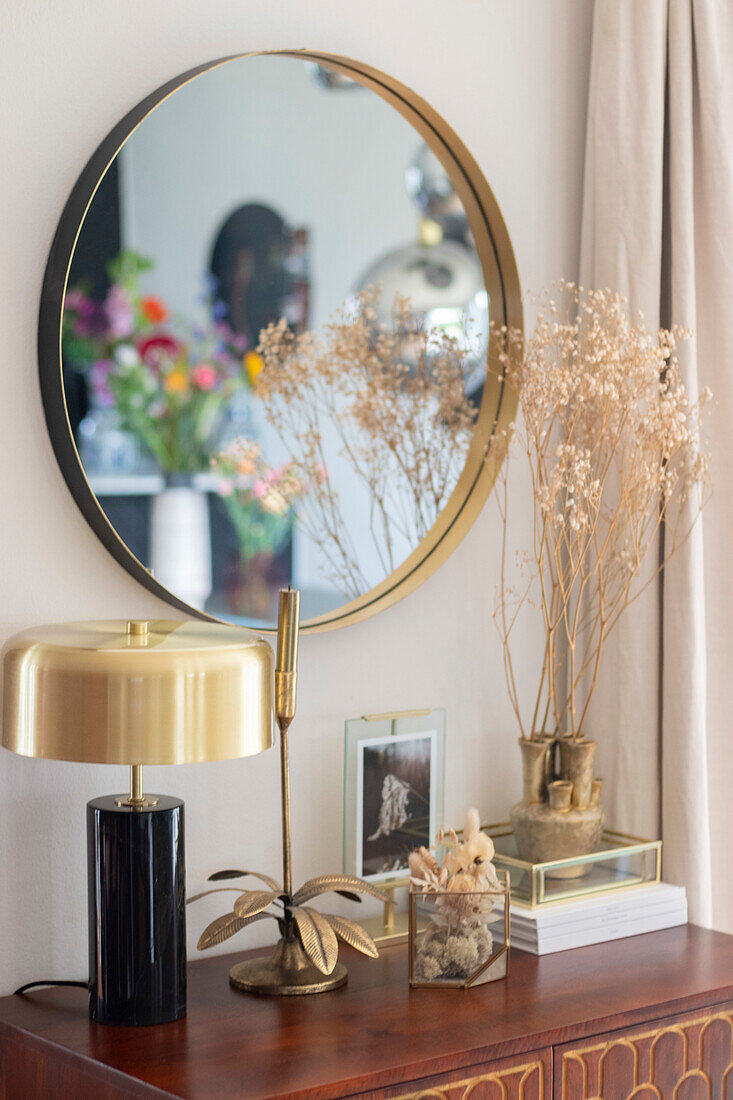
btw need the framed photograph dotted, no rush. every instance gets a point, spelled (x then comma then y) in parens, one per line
(393, 790)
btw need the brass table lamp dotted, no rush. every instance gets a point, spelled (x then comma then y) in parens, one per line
(137, 693)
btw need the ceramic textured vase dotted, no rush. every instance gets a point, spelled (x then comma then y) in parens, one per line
(560, 815)
(180, 543)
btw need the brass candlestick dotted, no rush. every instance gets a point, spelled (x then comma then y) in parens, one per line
(305, 959)
(286, 687)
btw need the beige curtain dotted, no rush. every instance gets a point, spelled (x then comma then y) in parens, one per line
(658, 226)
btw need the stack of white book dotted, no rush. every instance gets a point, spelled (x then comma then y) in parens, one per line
(610, 916)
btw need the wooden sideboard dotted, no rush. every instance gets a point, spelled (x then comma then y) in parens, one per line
(648, 1017)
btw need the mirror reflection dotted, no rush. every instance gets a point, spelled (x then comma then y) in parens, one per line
(274, 340)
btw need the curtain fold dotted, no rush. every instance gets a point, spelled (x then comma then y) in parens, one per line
(621, 248)
(658, 227)
(684, 755)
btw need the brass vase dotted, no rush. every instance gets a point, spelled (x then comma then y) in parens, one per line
(560, 816)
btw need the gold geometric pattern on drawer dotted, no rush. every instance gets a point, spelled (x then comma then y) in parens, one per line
(525, 1082)
(691, 1060)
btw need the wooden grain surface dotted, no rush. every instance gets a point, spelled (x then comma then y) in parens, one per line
(376, 1032)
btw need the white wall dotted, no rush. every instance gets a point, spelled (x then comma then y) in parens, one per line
(511, 78)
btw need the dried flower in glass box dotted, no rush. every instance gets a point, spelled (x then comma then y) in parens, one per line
(452, 906)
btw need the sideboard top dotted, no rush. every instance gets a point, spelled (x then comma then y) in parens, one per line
(376, 1031)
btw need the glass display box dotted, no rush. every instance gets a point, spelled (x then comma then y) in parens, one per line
(621, 863)
(459, 938)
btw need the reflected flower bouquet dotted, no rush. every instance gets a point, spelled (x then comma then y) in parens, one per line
(259, 499)
(168, 382)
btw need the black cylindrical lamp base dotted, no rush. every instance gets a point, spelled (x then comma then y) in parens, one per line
(137, 912)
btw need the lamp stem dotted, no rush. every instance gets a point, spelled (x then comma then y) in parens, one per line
(136, 799)
(136, 785)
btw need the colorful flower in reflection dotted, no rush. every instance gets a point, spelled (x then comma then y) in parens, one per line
(154, 309)
(120, 313)
(90, 319)
(253, 364)
(175, 381)
(169, 381)
(155, 350)
(204, 377)
(100, 383)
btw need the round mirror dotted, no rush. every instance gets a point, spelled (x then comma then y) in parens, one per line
(264, 343)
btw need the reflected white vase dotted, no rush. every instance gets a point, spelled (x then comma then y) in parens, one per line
(180, 543)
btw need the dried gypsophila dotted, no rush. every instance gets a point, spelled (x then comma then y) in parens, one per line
(612, 442)
(404, 430)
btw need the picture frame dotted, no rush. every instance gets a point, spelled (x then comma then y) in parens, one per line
(394, 777)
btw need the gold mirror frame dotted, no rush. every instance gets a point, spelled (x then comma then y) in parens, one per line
(498, 406)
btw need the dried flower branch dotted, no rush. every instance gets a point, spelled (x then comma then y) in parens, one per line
(404, 430)
(612, 443)
(466, 866)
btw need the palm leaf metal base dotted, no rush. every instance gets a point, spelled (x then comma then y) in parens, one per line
(305, 959)
(288, 972)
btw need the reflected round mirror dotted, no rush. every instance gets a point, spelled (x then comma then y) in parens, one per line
(264, 339)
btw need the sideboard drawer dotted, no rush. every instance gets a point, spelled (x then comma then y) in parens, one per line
(688, 1057)
(523, 1077)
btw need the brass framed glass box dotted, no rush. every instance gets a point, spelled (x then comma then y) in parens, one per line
(459, 938)
(622, 862)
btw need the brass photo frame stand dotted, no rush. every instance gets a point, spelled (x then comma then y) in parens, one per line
(391, 925)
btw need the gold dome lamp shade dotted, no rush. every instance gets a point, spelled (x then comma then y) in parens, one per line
(137, 692)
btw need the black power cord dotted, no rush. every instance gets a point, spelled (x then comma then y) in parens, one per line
(33, 985)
